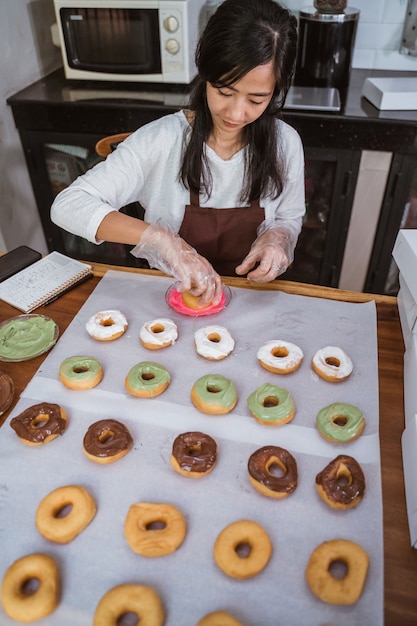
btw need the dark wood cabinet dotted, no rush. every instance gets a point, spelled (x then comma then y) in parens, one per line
(56, 158)
(60, 121)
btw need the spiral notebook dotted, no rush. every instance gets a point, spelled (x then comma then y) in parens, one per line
(43, 281)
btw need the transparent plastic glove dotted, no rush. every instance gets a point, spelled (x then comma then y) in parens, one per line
(168, 252)
(273, 249)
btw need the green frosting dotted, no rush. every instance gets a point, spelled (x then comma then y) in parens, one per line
(148, 376)
(215, 389)
(79, 368)
(342, 432)
(279, 403)
(25, 337)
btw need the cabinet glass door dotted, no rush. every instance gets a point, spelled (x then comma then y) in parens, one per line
(65, 162)
(329, 183)
(55, 161)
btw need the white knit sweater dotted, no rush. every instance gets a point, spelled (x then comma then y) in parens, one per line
(145, 168)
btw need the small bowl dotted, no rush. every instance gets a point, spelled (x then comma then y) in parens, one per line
(17, 333)
(173, 298)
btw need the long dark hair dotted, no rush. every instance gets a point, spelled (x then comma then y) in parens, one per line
(241, 35)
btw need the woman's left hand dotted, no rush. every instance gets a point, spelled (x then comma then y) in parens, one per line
(273, 250)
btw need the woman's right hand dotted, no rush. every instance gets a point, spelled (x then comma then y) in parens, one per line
(168, 252)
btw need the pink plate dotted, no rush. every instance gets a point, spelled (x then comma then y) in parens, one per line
(173, 298)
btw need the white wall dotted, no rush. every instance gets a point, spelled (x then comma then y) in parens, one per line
(27, 55)
(379, 33)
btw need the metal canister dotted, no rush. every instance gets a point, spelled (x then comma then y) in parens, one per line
(325, 47)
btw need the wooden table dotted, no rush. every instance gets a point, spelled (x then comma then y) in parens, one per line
(399, 558)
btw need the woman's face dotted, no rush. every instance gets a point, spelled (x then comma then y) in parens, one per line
(232, 108)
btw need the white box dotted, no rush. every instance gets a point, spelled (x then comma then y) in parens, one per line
(410, 381)
(409, 449)
(407, 308)
(405, 256)
(391, 94)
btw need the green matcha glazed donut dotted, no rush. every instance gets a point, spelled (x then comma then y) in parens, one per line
(147, 379)
(80, 372)
(214, 394)
(340, 422)
(271, 405)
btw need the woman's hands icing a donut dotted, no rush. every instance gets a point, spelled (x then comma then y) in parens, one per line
(273, 251)
(167, 251)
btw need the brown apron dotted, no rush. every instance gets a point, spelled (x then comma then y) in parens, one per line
(222, 236)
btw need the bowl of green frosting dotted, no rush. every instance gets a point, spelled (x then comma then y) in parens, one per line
(25, 337)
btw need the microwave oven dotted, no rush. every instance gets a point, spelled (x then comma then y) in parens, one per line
(128, 40)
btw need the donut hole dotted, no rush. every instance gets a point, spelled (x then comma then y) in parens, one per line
(243, 549)
(148, 376)
(80, 369)
(274, 467)
(340, 420)
(343, 476)
(214, 337)
(213, 389)
(157, 524)
(338, 569)
(39, 421)
(63, 511)
(332, 361)
(128, 619)
(30, 586)
(194, 450)
(279, 352)
(270, 402)
(157, 328)
(107, 322)
(106, 436)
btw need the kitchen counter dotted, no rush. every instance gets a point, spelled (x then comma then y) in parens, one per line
(400, 560)
(358, 125)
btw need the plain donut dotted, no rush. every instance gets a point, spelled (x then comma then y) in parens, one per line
(219, 618)
(346, 590)
(154, 530)
(64, 528)
(240, 534)
(24, 606)
(143, 601)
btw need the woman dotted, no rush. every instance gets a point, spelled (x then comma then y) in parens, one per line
(222, 182)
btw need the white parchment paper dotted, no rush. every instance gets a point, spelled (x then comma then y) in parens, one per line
(188, 581)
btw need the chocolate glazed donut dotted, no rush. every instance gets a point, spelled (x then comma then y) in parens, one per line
(107, 440)
(6, 392)
(194, 454)
(341, 483)
(260, 466)
(40, 423)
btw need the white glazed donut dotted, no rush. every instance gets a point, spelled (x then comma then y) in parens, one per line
(332, 364)
(280, 357)
(158, 333)
(213, 342)
(106, 325)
